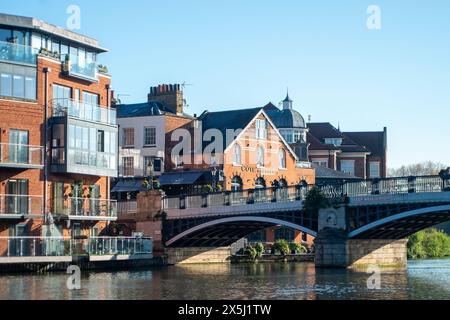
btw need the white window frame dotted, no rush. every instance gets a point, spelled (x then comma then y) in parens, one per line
(282, 159)
(352, 162)
(124, 166)
(260, 156)
(237, 155)
(145, 136)
(124, 137)
(320, 162)
(261, 129)
(334, 141)
(378, 169)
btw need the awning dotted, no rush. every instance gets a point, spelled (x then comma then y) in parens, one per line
(128, 186)
(181, 178)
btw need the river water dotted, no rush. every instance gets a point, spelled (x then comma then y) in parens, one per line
(427, 279)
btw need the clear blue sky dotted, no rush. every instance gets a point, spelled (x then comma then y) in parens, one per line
(245, 53)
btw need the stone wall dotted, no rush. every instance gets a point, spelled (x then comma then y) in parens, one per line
(198, 255)
(383, 253)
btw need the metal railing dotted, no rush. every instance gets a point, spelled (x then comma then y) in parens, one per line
(400, 185)
(18, 53)
(12, 204)
(84, 111)
(66, 246)
(88, 207)
(21, 155)
(126, 207)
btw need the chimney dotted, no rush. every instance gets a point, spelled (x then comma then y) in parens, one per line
(170, 95)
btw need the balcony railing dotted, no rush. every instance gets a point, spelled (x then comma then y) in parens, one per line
(66, 246)
(21, 155)
(88, 207)
(12, 204)
(83, 111)
(126, 207)
(12, 52)
(74, 66)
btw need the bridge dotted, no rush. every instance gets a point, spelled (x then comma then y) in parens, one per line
(367, 220)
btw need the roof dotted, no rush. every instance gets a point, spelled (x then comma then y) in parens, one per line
(374, 141)
(322, 130)
(151, 108)
(327, 173)
(182, 177)
(44, 27)
(286, 118)
(225, 120)
(128, 186)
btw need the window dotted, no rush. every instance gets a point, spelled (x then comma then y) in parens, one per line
(287, 135)
(348, 166)
(282, 159)
(321, 162)
(6, 85)
(299, 136)
(18, 86)
(128, 137)
(30, 88)
(335, 141)
(374, 169)
(101, 141)
(156, 163)
(90, 98)
(128, 166)
(260, 157)
(237, 154)
(149, 136)
(61, 94)
(261, 129)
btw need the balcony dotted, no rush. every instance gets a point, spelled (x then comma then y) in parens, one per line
(88, 209)
(11, 52)
(75, 67)
(14, 206)
(21, 156)
(83, 111)
(61, 249)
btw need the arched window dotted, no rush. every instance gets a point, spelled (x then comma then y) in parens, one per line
(260, 157)
(282, 159)
(237, 154)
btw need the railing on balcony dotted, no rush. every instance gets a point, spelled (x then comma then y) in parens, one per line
(401, 185)
(83, 111)
(13, 204)
(77, 67)
(127, 207)
(66, 246)
(21, 155)
(12, 52)
(88, 207)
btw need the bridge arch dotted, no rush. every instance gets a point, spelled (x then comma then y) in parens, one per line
(237, 219)
(403, 224)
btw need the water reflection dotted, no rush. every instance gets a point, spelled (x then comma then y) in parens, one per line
(422, 280)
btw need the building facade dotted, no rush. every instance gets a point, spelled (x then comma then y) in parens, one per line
(58, 136)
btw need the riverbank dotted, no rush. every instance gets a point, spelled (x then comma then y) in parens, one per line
(292, 258)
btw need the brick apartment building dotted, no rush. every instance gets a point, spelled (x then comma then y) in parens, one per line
(58, 136)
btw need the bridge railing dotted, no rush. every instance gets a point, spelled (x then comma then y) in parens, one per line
(399, 185)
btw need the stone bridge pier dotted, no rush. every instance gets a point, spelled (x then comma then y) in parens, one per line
(334, 248)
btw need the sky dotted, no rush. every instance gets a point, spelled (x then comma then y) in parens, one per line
(245, 53)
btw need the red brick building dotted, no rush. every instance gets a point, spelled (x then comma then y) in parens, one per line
(58, 136)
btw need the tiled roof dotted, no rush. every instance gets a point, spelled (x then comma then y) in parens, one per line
(152, 108)
(374, 141)
(232, 119)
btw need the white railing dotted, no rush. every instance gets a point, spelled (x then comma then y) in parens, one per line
(21, 154)
(13, 204)
(124, 207)
(66, 246)
(84, 111)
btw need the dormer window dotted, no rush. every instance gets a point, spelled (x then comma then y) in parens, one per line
(334, 141)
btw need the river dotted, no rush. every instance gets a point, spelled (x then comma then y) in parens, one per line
(426, 279)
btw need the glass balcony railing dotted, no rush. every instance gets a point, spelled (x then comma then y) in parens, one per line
(21, 155)
(83, 111)
(66, 246)
(13, 204)
(17, 53)
(78, 67)
(88, 207)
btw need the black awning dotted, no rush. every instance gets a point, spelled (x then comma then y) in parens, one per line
(128, 186)
(183, 178)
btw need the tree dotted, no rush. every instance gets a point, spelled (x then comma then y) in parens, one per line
(417, 169)
(315, 200)
(282, 246)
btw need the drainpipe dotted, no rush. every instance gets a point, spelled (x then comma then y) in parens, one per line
(46, 71)
(108, 105)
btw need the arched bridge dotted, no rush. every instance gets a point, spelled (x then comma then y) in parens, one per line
(391, 208)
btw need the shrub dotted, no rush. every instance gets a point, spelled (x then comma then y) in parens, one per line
(430, 243)
(297, 248)
(315, 200)
(251, 252)
(259, 250)
(282, 246)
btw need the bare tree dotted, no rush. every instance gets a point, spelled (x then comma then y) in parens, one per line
(418, 169)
